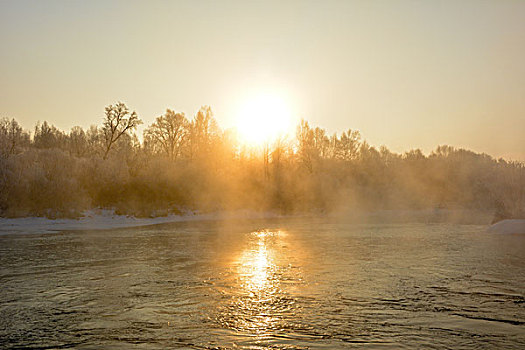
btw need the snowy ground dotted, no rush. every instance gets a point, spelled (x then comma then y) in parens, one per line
(508, 226)
(106, 219)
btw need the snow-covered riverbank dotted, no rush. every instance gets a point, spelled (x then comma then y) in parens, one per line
(106, 219)
(510, 226)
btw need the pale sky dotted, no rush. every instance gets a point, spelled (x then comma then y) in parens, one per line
(407, 74)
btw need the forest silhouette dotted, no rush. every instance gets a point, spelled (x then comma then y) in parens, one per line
(190, 164)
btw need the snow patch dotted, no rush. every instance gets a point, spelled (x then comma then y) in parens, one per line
(508, 226)
(106, 219)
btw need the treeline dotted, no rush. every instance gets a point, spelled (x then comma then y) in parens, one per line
(192, 164)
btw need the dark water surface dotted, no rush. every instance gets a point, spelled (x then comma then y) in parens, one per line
(274, 284)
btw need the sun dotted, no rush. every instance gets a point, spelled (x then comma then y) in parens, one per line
(262, 118)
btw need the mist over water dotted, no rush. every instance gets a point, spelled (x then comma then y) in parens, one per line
(264, 284)
(320, 174)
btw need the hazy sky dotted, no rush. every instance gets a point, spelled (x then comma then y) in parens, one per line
(407, 74)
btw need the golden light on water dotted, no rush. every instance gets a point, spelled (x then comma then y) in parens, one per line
(257, 303)
(263, 118)
(256, 263)
(261, 263)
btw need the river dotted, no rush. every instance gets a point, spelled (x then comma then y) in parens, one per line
(300, 283)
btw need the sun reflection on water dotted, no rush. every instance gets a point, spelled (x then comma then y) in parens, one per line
(258, 276)
(258, 303)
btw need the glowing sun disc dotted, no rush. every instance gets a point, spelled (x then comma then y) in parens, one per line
(263, 118)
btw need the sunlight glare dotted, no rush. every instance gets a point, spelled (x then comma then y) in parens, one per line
(263, 118)
(260, 267)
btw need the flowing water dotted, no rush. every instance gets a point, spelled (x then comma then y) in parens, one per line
(272, 284)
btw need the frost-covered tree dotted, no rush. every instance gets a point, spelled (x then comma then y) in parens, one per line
(117, 122)
(77, 142)
(347, 146)
(203, 131)
(49, 136)
(307, 151)
(12, 137)
(168, 133)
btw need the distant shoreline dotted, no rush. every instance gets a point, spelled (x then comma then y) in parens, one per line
(107, 219)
